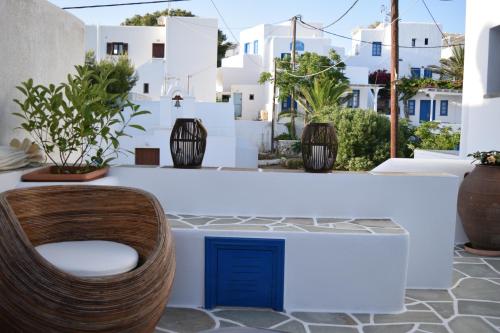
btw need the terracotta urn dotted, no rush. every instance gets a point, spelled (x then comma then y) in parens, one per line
(479, 209)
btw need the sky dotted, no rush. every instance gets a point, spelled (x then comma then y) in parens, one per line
(240, 14)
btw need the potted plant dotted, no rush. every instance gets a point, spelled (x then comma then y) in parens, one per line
(77, 123)
(479, 204)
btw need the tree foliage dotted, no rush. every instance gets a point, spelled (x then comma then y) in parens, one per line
(322, 93)
(453, 67)
(151, 19)
(364, 137)
(119, 69)
(300, 83)
(433, 136)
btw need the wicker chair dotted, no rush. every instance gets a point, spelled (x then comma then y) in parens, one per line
(37, 297)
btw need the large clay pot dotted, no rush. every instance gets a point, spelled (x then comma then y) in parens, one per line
(479, 207)
(319, 147)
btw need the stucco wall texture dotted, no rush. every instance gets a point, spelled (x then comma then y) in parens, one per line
(38, 40)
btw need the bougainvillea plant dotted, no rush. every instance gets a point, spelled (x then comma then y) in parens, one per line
(487, 157)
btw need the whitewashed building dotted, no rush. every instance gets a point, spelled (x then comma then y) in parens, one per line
(481, 96)
(420, 47)
(181, 50)
(259, 46)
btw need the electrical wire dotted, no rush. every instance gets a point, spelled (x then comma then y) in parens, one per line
(435, 22)
(342, 16)
(368, 42)
(224, 21)
(122, 4)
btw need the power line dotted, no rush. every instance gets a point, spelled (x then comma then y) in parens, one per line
(122, 4)
(342, 16)
(313, 74)
(224, 21)
(368, 42)
(435, 22)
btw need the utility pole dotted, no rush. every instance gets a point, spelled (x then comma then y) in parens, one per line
(394, 76)
(273, 121)
(292, 106)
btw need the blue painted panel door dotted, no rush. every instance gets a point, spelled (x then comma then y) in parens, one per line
(425, 110)
(244, 278)
(247, 272)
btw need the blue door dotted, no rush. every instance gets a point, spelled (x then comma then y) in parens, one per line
(244, 272)
(425, 110)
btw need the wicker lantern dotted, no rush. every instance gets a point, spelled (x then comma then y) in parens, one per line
(319, 147)
(187, 143)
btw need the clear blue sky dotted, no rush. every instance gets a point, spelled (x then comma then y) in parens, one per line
(243, 13)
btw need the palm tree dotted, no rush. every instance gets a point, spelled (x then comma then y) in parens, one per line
(453, 67)
(322, 93)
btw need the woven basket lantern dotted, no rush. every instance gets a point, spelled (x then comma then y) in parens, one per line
(319, 147)
(188, 142)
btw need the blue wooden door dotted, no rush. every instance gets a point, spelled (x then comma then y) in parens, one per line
(244, 272)
(425, 110)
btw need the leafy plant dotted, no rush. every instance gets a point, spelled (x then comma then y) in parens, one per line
(364, 137)
(487, 157)
(294, 81)
(78, 123)
(431, 135)
(452, 68)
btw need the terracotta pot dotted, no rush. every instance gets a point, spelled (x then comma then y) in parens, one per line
(49, 174)
(479, 207)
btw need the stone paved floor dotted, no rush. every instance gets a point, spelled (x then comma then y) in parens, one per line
(472, 305)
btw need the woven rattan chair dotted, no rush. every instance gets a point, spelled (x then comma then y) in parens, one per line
(37, 297)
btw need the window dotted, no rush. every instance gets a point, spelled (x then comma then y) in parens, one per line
(299, 46)
(353, 102)
(158, 50)
(116, 48)
(443, 110)
(246, 48)
(493, 79)
(286, 104)
(415, 73)
(376, 49)
(285, 55)
(251, 97)
(426, 41)
(413, 42)
(411, 107)
(428, 73)
(145, 88)
(255, 47)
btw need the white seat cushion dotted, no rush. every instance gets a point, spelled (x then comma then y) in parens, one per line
(90, 258)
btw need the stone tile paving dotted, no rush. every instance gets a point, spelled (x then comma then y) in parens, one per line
(285, 224)
(472, 305)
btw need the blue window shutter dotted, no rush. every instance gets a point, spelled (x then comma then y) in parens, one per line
(255, 47)
(247, 48)
(411, 107)
(443, 110)
(376, 49)
(415, 73)
(427, 73)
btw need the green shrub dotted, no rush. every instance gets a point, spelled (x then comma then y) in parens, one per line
(364, 137)
(294, 163)
(431, 135)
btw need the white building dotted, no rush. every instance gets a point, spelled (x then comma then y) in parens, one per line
(419, 48)
(446, 106)
(481, 95)
(183, 49)
(259, 46)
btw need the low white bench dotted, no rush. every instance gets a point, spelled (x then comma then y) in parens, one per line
(331, 264)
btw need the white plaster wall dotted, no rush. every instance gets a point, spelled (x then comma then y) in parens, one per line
(40, 41)
(257, 133)
(250, 109)
(410, 57)
(454, 108)
(480, 115)
(323, 272)
(191, 51)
